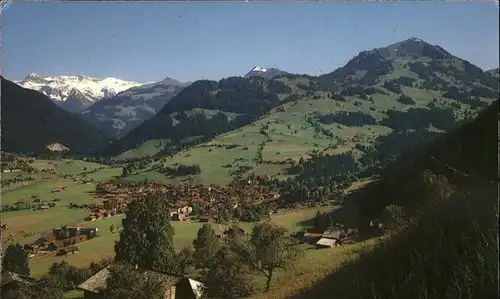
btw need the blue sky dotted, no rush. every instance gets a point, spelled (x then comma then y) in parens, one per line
(189, 41)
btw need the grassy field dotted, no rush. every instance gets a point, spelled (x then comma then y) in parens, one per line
(148, 148)
(25, 226)
(185, 232)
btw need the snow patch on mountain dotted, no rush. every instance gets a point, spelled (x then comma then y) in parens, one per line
(128, 109)
(259, 69)
(266, 73)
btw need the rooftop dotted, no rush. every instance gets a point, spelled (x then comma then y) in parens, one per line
(326, 242)
(97, 283)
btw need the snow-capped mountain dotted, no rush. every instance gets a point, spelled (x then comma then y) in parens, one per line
(87, 90)
(119, 114)
(266, 73)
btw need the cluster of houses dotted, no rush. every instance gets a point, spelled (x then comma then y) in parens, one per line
(115, 198)
(329, 238)
(181, 214)
(62, 240)
(35, 202)
(101, 213)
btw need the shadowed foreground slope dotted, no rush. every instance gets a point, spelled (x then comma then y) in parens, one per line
(450, 247)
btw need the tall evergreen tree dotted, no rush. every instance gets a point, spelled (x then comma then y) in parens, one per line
(317, 222)
(206, 245)
(146, 239)
(185, 260)
(15, 260)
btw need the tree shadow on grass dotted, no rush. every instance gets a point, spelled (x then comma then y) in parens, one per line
(347, 213)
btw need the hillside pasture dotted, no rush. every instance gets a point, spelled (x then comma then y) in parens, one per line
(148, 148)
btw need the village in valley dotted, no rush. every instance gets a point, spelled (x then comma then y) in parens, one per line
(228, 209)
(222, 206)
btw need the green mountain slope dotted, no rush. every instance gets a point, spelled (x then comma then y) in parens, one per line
(30, 121)
(206, 109)
(381, 103)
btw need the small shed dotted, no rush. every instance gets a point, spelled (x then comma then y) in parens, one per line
(68, 249)
(333, 234)
(325, 243)
(56, 150)
(55, 245)
(30, 248)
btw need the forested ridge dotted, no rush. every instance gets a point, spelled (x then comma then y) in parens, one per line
(249, 98)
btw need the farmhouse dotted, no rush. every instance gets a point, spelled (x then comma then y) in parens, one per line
(44, 240)
(174, 287)
(310, 238)
(59, 244)
(67, 249)
(73, 231)
(56, 150)
(55, 245)
(333, 234)
(12, 280)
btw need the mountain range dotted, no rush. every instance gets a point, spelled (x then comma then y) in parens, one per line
(386, 90)
(381, 103)
(75, 93)
(119, 114)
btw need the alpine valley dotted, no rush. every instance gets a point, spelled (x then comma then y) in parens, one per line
(385, 163)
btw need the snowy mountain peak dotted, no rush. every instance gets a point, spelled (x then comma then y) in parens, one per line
(259, 69)
(266, 73)
(59, 88)
(34, 77)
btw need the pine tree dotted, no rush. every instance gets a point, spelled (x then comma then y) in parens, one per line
(206, 245)
(15, 260)
(146, 239)
(318, 221)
